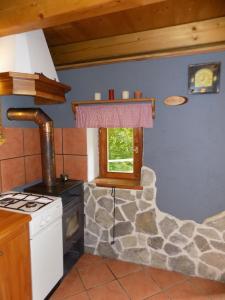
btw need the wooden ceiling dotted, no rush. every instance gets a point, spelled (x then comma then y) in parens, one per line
(81, 33)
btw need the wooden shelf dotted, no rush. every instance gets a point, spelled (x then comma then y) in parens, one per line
(118, 183)
(115, 101)
(45, 90)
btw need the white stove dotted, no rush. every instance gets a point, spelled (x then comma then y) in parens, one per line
(46, 243)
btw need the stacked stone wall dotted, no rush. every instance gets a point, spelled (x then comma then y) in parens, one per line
(146, 235)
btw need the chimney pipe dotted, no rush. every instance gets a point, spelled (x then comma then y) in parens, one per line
(46, 135)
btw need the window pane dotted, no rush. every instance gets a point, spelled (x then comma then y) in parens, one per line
(120, 143)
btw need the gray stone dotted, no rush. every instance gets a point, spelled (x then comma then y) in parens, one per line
(118, 214)
(214, 259)
(122, 228)
(119, 201)
(89, 239)
(171, 249)
(142, 240)
(206, 272)
(136, 255)
(191, 250)
(178, 239)
(90, 208)
(147, 177)
(99, 192)
(118, 246)
(139, 194)
(105, 249)
(155, 242)
(106, 203)
(130, 210)
(105, 236)
(182, 264)
(218, 224)
(129, 241)
(187, 229)
(158, 260)
(146, 222)
(93, 227)
(90, 250)
(167, 226)
(209, 233)
(91, 185)
(222, 278)
(218, 245)
(148, 194)
(124, 194)
(201, 243)
(144, 205)
(103, 218)
(86, 194)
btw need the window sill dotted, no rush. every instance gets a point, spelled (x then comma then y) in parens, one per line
(130, 184)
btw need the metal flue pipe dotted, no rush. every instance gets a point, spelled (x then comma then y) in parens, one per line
(46, 136)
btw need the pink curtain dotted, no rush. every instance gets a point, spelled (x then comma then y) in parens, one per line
(114, 116)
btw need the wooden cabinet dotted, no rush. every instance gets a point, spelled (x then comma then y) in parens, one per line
(15, 274)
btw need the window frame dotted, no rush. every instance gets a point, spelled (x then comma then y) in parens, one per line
(138, 152)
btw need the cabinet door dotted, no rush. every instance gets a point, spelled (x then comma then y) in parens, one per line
(4, 274)
(15, 279)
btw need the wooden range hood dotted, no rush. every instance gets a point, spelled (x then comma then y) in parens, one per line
(44, 90)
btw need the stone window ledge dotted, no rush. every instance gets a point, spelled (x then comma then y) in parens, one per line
(130, 184)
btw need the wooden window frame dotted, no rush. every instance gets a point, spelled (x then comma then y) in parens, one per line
(138, 152)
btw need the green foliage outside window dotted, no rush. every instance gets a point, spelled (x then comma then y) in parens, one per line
(120, 149)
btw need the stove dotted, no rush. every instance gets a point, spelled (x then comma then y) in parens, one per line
(24, 202)
(46, 242)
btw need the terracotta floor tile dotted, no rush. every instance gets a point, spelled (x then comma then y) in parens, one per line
(209, 287)
(95, 274)
(31, 141)
(88, 259)
(82, 296)
(186, 291)
(139, 285)
(160, 296)
(74, 141)
(70, 286)
(122, 268)
(165, 279)
(109, 291)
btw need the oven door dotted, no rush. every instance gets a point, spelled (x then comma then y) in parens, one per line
(46, 259)
(73, 224)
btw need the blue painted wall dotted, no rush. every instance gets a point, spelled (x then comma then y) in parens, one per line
(186, 148)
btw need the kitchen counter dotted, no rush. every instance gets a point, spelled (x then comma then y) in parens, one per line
(15, 271)
(10, 222)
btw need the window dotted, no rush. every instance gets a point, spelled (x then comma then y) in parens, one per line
(120, 152)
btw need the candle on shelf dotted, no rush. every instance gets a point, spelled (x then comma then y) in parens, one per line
(137, 94)
(111, 94)
(98, 96)
(125, 94)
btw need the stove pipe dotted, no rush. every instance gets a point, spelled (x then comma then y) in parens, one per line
(46, 136)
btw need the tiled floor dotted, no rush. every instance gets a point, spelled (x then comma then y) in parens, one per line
(96, 278)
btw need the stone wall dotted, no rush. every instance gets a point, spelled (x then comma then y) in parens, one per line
(148, 236)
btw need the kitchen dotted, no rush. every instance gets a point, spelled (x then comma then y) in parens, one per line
(189, 194)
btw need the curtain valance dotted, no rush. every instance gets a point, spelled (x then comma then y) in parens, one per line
(114, 116)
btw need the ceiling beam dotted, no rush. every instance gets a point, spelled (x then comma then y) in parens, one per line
(190, 37)
(23, 15)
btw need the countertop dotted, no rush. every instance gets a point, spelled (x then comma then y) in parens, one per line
(10, 222)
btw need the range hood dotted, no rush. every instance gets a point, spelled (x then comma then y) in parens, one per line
(26, 68)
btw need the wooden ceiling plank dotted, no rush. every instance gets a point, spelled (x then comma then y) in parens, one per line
(154, 16)
(170, 53)
(158, 40)
(20, 16)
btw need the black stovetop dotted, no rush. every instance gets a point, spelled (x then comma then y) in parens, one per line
(57, 190)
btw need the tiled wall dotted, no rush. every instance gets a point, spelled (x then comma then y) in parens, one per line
(20, 158)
